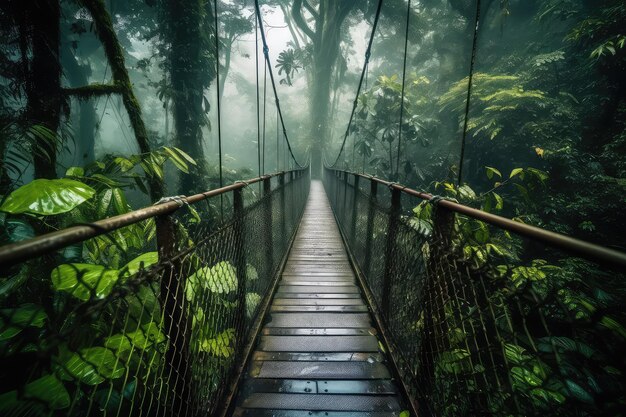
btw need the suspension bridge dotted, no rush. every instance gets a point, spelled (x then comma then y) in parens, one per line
(310, 299)
(313, 297)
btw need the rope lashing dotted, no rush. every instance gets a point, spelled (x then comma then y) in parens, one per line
(180, 200)
(245, 183)
(436, 199)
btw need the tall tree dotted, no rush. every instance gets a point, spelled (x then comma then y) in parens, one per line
(43, 88)
(325, 33)
(191, 67)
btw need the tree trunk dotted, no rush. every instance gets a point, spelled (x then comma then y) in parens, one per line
(44, 84)
(77, 75)
(326, 38)
(115, 57)
(186, 75)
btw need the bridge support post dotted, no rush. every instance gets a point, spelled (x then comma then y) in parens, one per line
(370, 226)
(283, 206)
(176, 323)
(240, 263)
(392, 230)
(269, 246)
(292, 192)
(439, 266)
(345, 192)
(355, 203)
(336, 178)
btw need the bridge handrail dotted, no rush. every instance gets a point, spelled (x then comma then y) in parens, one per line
(588, 250)
(15, 253)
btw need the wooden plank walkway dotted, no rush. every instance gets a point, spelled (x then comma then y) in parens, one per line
(318, 354)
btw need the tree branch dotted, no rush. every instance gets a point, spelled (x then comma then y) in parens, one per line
(93, 90)
(115, 57)
(310, 9)
(296, 11)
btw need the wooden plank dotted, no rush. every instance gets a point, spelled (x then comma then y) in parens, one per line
(318, 354)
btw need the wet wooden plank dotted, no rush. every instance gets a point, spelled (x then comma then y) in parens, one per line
(305, 309)
(318, 354)
(322, 402)
(319, 320)
(319, 343)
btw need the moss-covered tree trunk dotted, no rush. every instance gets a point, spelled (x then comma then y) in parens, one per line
(115, 57)
(186, 19)
(326, 37)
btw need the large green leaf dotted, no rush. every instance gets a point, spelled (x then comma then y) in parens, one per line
(221, 345)
(145, 337)
(84, 281)
(141, 306)
(220, 278)
(47, 197)
(252, 302)
(14, 320)
(46, 391)
(454, 361)
(523, 378)
(16, 230)
(578, 392)
(93, 365)
(143, 261)
(515, 354)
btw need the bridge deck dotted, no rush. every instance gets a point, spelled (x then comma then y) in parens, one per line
(318, 354)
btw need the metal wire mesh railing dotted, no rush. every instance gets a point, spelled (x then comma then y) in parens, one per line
(481, 321)
(153, 316)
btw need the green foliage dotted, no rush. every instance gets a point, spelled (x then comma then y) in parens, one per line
(45, 393)
(87, 281)
(378, 126)
(13, 321)
(93, 366)
(220, 279)
(47, 197)
(289, 64)
(221, 345)
(498, 101)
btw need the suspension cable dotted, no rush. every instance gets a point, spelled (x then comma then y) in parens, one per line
(219, 108)
(406, 44)
(258, 104)
(264, 110)
(358, 91)
(266, 52)
(469, 92)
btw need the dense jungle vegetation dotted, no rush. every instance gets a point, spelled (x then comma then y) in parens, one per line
(107, 106)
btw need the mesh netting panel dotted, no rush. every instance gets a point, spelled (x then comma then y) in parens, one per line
(127, 330)
(476, 331)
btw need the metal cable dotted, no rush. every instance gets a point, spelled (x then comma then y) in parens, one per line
(266, 51)
(219, 108)
(258, 104)
(264, 109)
(469, 92)
(406, 44)
(363, 72)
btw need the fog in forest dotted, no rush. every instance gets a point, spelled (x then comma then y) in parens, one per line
(513, 110)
